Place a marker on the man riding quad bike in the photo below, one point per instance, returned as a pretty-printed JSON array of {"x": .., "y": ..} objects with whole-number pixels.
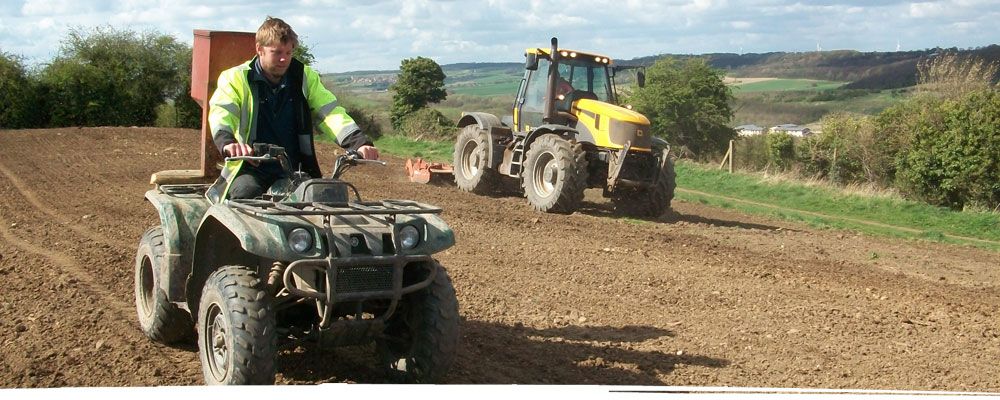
[{"x": 307, "y": 261}]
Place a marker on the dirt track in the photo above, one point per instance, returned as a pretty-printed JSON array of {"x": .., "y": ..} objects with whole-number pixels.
[{"x": 705, "y": 297}]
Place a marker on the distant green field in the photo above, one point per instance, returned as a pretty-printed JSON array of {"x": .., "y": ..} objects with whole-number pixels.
[
  {"x": 486, "y": 89},
  {"x": 776, "y": 85}
]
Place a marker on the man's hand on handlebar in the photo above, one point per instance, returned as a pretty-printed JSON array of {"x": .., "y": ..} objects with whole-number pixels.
[
  {"x": 238, "y": 150},
  {"x": 368, "y": 152}
]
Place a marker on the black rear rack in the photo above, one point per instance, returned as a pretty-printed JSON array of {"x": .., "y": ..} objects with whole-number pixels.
[
  {"x": 194, "y": 188},
  {"x": 384, "y": 207}
]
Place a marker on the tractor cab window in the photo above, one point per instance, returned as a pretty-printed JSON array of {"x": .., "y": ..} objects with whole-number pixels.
[
  {"x": 586, "y": 77},
  {"x": 533, "y": 104}
]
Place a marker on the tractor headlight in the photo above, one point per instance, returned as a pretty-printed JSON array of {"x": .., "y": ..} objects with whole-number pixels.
[
  {"x": 300, "y": 240},
  {"x": 409, "y": 237}
]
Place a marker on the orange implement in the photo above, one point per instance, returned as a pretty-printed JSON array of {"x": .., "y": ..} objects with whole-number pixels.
[{"x": 420, "y": 171}]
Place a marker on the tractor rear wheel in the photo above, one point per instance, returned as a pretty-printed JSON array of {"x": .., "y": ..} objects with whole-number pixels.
[
  {"x": 421, "y": 337},
  {"x": 236, "y": 329},
  {"x": 472, "y": 170},
  {"x": 651, "y": 202},
  {"x": 159, "y": 319},
  {"x": 555, "y": 174}
]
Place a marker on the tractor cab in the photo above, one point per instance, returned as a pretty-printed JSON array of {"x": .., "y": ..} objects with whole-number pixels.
[{"x": 580, "y": 76}]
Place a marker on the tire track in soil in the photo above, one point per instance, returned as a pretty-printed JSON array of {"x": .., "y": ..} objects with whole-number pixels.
[
  {"x": 32, "y": 199},
  {"x": 123, "y": 311},
  {"x": 122, "y": 314}
]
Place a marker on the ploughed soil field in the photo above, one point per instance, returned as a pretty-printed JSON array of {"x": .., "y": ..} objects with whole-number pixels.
[{"x": 703, "y": 297}]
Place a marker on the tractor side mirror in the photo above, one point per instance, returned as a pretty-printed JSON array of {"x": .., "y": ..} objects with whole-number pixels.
[
  {"x": 531, "y": 62},
  {"x": 640, "y": 77}
]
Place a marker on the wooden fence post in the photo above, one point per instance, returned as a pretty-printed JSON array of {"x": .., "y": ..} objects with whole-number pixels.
[
  {"x": 731, "y": 155},
  {"x": 728, "y": 157}
]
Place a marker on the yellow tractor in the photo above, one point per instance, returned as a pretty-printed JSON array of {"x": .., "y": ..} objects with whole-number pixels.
[{"x": 567, "y": 133}]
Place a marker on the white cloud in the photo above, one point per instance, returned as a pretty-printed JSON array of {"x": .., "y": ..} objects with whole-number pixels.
[
  {"x": 51, "y": 7},
  {"x": 923, "y": 10},
  {"x": 741, "y": 24},
  {"x": 377, "y": 34}
]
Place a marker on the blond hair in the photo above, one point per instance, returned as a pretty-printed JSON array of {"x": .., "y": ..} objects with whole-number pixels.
[{"x": 274, "y": 31}]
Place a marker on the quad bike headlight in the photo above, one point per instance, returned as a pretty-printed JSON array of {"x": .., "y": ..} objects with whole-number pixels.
[
  {"x": 409, "y": 237},
  {"x": 300, "y": 240}
]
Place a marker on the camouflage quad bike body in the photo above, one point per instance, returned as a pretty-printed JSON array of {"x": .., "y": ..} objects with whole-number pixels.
[{"x": 304, "y": 262}]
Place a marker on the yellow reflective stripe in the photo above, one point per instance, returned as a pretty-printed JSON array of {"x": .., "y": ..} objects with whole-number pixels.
[
  {"x": 230, "y": 107},
  {"x": 326, "y": 110},
  {"x": 347, "y": 130}
]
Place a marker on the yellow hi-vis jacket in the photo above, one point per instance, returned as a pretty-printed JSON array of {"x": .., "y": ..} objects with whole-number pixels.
[{"x": 232, "y": 117}]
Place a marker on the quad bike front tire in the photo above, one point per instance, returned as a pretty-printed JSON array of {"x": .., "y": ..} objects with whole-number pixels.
[
  {"x": 651, "y": 202},
  {"x": 236, "y": 329},
  {"x": 159, "y": 319},
  {"x": 555, "y": 174},
  {"x": 421, "y": 337},
  {"x": 472, "y": 170}
]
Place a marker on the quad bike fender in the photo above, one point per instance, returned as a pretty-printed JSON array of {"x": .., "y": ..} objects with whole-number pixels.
[
  {"x": 229, "y": 237},
  {"x": 180, "y": 216},
  {"x": 260, "y": 235},
  {"x": 436, "y": 235},
  {"x": 489, "y": 123}
]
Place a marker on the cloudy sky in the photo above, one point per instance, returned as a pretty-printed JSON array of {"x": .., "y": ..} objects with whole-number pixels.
[{"x": 376, "y": 34}]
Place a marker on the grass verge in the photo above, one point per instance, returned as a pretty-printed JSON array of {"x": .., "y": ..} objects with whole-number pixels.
[
  {"x": 402, "y": 146},
  {"x": 829, "y": 207},
  {"x": 817, "y": 206}
]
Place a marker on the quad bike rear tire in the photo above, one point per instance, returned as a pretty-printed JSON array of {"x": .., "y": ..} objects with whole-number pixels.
[
  {"x": 236, "y": 329},
  {"x": 651, "y": 202},
  {"x": 161, "y": 320},
  {"x": 555, "y": 174},
  {"x": 422, "y": 335},
  {"x": 472, "y": 170}
]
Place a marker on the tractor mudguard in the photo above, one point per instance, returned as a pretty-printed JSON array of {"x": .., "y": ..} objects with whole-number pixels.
[
  {"x": 561, "y": 130},
  {"x": 489, "y": 123},
  {"x": 484, "y": 120},
  {"x": 180, "y": 216}
]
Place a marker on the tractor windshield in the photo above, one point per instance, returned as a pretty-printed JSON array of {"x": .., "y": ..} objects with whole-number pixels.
[{"x": 587, "y": 76}]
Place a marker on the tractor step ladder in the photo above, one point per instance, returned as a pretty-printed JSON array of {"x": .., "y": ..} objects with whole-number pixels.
[{"x": 515, "y": 160}]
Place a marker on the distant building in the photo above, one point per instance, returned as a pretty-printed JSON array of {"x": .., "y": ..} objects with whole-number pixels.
[
  {"x": 749, "y": 130},
  {"x": 792, "y": 129}
]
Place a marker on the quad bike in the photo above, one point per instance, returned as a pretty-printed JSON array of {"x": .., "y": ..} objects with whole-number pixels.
[{"x": 307, "y": 261}]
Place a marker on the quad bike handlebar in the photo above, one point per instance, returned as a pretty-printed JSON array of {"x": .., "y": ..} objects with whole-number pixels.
[
  {"x": 350, "y": 159},
  {"x": 273, "y": 153}
]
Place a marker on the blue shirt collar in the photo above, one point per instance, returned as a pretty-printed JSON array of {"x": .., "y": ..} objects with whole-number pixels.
[{"x": 260, "y": 76}]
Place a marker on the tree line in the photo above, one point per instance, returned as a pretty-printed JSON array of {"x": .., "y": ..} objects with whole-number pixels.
[
  {"x": 105, "y": 77},
  {"x": 101, "y": 77}
]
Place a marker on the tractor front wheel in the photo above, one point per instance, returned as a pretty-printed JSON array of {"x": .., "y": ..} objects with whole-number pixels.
[{"x": 651, "y": 202}]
